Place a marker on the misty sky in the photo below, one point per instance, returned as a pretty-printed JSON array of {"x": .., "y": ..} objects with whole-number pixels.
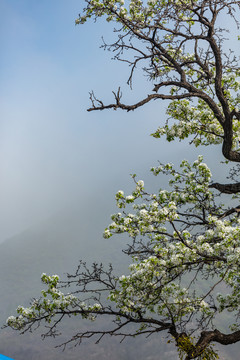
[{"x": 53, "y": 153}]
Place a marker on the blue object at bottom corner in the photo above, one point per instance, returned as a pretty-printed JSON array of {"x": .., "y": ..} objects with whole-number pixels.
[{"x": 3, "y": 357}]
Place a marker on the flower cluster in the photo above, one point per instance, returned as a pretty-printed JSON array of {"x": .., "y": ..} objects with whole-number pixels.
[
  {"x": 197, "y": 119},
  {"x": 157, "y": 209},
  {"x": 53, "y": 302},
  {"x": 167, "y": 271},
  {"x": 150, "y": 285},
  {"x": 138, "y": 12},
  {"x": 149, "y": 289}
]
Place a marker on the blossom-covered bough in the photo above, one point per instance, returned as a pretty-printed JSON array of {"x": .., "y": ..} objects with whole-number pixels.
[{"x": 185, "y": 244}]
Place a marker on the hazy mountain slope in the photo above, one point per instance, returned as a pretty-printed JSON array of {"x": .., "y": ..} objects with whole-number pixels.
[{"x": 55, "y": 246}]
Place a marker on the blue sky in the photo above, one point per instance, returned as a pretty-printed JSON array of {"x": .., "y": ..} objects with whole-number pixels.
[{"x": 52, "y": 151}]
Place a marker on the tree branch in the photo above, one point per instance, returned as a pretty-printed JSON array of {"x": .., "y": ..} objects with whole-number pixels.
[{"x": 226, "y": 188}]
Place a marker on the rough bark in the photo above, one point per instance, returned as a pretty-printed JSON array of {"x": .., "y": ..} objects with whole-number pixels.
[
  {"x": 226, "y": 188},
  {"x": 209, "y": 336}
]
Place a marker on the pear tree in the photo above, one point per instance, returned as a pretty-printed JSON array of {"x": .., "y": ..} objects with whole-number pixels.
[{"x": 184, "y": 245}]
